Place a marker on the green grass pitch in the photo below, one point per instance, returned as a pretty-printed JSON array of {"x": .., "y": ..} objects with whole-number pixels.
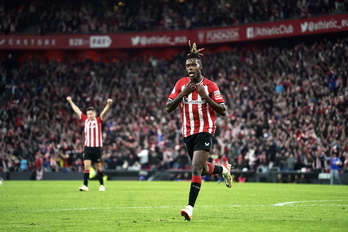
[{"x": 155, "y": 206}]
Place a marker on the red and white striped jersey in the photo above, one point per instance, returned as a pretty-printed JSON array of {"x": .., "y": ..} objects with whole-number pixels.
[
  {"x": 196, "y": 114},
  {"x": 93, "y": 134}
]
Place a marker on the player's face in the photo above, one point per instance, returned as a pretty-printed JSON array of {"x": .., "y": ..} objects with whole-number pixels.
[
  {"x": 91, "y": 114},
  {"x": 193, "y": 69}
]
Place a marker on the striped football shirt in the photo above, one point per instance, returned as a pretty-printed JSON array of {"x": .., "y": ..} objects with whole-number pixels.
[
  {"x": 93, "y": 131},
  {"x": 196, "y": 114}
]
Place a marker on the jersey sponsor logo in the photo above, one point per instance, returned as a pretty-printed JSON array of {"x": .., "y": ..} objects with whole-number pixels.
[
  {"x": 194, "y": 101},
  {"x": 91, "y": 125}
]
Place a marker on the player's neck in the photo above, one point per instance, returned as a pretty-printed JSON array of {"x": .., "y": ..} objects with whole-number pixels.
[{"x": 198, "y": 80}]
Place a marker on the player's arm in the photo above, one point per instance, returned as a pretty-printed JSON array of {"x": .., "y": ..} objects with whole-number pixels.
[
  {"x": 74, "y": 107},
  {"x": 172, "y": 104},
  {"x": 106, "y": 109},
  {"x": 219, "y": 108}
]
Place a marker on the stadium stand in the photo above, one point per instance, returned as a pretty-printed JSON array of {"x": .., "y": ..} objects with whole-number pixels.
[
  {"x": 20, "y": 16},
  {"x": 287, "y": 101}
]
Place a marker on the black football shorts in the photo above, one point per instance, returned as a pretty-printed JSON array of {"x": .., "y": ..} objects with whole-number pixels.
[
  {"x": 93, "y": 154},
  {"x": 199, "y": 141}
]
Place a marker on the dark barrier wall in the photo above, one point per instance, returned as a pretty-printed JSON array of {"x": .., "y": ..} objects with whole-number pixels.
[{"x": 270, "y": 177}]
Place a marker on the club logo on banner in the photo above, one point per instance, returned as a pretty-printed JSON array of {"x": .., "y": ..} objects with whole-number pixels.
[
  {"x": 200, "y": 35},
  {"x": 267, "y": 31},
  {"x": 250, "y": 32}
]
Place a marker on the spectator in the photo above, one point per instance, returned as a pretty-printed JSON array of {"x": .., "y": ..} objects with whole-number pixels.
[
  {"x": 38, "y": 167},
  {"x": 144, "y": 158},
  {"x": 108, "y": 16},
  {"x": 303, "y": 120},
  {"x": 241, "y": 178},
  {"x": 290, "y": 162},
  {"x": 23, "y": 164},
  {"x": 335, "y": 164}
]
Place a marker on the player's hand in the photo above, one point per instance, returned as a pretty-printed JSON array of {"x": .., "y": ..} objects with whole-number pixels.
[
  {"x": 68, "y": 98},
  {"x": 201, "y": 91},
  {"x": 188, "y": 89},
  {"x": 109, "y": 101}
]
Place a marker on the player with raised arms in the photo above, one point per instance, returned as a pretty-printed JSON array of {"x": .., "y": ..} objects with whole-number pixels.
[{"x": 93, "y": 141}]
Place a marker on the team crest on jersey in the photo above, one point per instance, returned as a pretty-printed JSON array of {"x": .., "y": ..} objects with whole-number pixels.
[{"x": 217, "y": 95}]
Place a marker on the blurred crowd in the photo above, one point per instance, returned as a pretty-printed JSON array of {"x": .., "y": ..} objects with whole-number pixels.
[
  {"x": 287, "y": 109},
  {"x": 78, "y": 16}
]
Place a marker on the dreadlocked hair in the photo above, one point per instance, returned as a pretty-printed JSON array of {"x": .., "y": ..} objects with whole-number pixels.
[{"x": 194, "y": 52}]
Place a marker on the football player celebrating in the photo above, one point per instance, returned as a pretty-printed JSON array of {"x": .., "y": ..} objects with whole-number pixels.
[
  {"x": 199, "y": 100},
  {"x": 93, "y": 141}
]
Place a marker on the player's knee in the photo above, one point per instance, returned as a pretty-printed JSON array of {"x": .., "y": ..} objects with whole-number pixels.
[{"x": 197, "y": 169}]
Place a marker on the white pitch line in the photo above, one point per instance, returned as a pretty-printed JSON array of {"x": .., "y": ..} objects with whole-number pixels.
[
  {"x": 94, "y": 208},
  {"x": 290, "y": 203},
  {"x": 296, "y": 202}
]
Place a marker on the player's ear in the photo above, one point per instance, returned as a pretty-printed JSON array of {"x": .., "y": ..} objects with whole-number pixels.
[{"x": 200, "y": 64}]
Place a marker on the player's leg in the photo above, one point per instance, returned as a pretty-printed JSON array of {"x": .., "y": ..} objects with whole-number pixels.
[
  {"x": 97, "y": 154},
  {"x": 224, "y": 170},
  {"x": 87, "y": 165},
  {"x": 100, "y": 174},
  {"x": 199, "y": 166},
  {"x": 199, "y": 160},
  {"x": 204, "y": 142}
]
